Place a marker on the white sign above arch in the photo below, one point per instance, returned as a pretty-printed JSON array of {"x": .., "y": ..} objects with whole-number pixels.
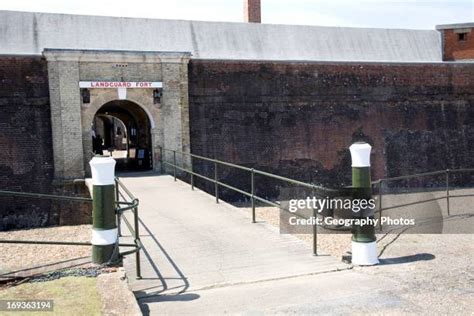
[{"x": 120, "y": 84}]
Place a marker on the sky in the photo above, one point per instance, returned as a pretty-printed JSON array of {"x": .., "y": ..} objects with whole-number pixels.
[{"x": 412, "y": 14}]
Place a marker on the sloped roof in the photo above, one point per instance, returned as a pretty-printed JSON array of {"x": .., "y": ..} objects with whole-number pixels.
[{"x": 30, "y": 33}]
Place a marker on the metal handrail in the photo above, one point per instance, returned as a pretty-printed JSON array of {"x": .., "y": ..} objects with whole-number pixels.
[
  {"x": 44, "y": 196},
  {"x": 124, "y": 188},
  {"x": 121, "y": 207},
  {"x": 317, "y": 190},
  {"x": 416, "y": 175},
  {"x": 379, "y": 183},
  {"x": 134, "y": 231},
  {"x": 256, "y": 171}
]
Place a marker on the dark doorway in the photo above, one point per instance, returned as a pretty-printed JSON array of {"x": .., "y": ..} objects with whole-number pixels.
[{"x": 122, "y": 130}]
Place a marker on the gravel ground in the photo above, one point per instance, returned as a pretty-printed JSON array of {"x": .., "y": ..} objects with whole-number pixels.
[
  {"x": 435, "y": 273},
  {"x": 19, "y": 256}
]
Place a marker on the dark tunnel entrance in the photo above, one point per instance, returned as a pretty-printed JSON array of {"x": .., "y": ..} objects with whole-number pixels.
[{"x": 122, "y": 130}]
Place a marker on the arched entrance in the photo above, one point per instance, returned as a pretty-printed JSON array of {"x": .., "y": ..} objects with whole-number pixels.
[{"x": 121, "y": 129}]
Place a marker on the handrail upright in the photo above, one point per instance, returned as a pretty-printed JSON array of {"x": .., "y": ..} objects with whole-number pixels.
[{"x": 137, "y": 242}]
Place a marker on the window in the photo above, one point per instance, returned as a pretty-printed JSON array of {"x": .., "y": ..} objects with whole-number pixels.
[{"x": 462, "y": 37}]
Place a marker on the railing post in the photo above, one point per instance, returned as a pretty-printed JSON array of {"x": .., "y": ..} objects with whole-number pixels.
[
  {"x": 192, "y": 173},
  {"x": 137, "y": 242},
  {"x": 216, "y": 180},
  {"x": 380, "y": 203},
  {"x": 104, "y": 224},
  {"x": 252, "y": 192},
  {"x": 364, "y": 247},
  {"x": 447, "y": 191},
  {"x": 117, "y": 199},
  {"x": 174, "y": 164},
  {"x": 315, "y": 229},
  {"x": 162, "y": 168}
]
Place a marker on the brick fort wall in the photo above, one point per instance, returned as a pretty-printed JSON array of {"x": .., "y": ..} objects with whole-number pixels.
[
  {"x": 292, "y": 119},
  {"x": 26, "y": 161},
  {"x": 298, "y": 119}
]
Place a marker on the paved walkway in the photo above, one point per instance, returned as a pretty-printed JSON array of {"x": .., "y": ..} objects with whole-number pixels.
[{"x": 193, "y": 244}]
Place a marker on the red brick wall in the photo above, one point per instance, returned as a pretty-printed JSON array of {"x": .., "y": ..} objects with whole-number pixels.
[
  {"x": 298, "y": 119},
  {"x": 455, "y": 49},
  {"x": 252, "y": 11}
]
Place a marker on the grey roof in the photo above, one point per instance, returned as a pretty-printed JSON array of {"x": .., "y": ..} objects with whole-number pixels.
[
  {"x": 31, "y": 33},
  {"x": 466, "y": 25}
]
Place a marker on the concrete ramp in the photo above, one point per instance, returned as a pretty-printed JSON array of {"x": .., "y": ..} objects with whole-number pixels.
[{"x": 193, "y": 244}]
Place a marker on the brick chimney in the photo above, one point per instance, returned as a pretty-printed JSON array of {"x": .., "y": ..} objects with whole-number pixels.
[
  {"x": 457, "y": 41},
  {"x": 252, "y": 11}
]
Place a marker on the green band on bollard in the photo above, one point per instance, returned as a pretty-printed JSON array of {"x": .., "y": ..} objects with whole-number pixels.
[
  {"x": 102, "y": 254},
  {"x": 103, "y": 223},
  {"x": 103, "y": 207},
  {"x": 361, "y": 184},
  {"x": 361, "y": 177}
]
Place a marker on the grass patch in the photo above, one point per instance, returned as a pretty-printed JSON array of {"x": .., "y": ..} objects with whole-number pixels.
[{"x": 71, "y": 296}]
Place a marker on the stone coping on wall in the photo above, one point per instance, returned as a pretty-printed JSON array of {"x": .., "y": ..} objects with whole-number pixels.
[{"x": 115, "y": 56}]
